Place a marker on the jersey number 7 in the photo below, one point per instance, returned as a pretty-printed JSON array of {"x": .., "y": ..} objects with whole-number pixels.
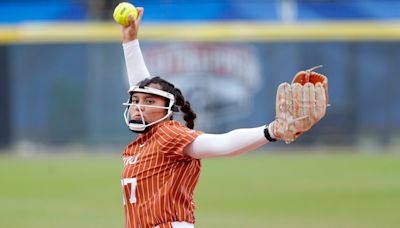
[{"x": 129, "y": 188}]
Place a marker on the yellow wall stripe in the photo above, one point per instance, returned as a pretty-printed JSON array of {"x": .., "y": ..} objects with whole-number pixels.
[{"x": 232, "y": 31}]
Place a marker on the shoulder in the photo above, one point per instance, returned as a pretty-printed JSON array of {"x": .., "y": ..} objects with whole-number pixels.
[
  {"x": 173, "y": 137},
  {"x": 172, "y": 128}
]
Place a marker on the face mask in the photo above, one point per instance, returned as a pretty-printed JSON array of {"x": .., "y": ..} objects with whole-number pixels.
[{"x": 141, "y": 126}]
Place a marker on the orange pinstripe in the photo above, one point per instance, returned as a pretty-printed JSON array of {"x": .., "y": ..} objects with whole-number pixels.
[{"x": 161, "y": 177}]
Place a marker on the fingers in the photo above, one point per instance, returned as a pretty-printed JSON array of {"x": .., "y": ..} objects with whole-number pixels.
[
  {"x": 308, "y": 105},
  {"x": 284, "y": 112},
  {"x": 301, "y": 115},
  {"x": 140, "y": 14},
  {"x": 298, "y": 106},
  {"x": 283, "y": 96},
  {"x": 297, "y": 100},
  {"x": 131, "y": 31},
  {"x": 132, "y": 21},
  {"x": 135, "y": 24},
  {"x": 325, "y": 85},
  {"x": 320, "y": 101}
]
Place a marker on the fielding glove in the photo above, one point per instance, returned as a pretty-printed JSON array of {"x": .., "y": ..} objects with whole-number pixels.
[{"x": 299, "y": 105}]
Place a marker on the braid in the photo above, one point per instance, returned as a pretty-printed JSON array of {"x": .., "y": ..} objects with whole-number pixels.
[{"x": 188, "y": 114}]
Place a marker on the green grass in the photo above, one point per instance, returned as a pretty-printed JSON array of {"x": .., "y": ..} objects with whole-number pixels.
[{"x": 307, "y": 190}]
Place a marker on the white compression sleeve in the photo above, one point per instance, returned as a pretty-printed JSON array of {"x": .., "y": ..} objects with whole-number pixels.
[
  {"x": 235, "y": 142},
  {"x": 135, "y": 66}
]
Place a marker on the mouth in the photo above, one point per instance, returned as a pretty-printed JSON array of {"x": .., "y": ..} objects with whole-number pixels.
[{"x": 136, "y": 121}]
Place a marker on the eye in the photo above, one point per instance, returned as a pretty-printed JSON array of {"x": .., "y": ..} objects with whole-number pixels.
[
  {"x": 149, "y": 101},
  {"x": 135, "y": 101}
]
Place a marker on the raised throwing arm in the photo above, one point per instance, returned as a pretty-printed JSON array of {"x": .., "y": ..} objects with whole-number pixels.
[{"x": 135, "y": 65}]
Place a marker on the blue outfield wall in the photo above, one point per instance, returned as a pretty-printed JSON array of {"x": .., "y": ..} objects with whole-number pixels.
[
  {"x": 205, "y": 10},
  {"x": 62, "y": 94}
]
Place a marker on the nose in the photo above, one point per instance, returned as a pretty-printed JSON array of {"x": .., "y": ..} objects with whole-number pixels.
[
  {"x": 136, "y": 108},
  {"x": 135, "y": 113}
]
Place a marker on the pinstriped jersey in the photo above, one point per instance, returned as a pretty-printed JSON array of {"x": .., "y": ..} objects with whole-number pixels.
[{"x": 158, "y": 180}]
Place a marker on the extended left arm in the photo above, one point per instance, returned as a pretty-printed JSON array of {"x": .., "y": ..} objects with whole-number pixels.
[
  {"x": 299, "y": 106},
  {"x": 233, "y": 143}
]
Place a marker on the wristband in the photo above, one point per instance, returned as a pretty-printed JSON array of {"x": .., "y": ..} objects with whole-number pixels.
[{"x": 267, "y": 135}]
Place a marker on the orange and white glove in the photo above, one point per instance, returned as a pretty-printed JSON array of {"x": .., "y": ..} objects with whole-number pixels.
[{"x": 300, "y": 105}]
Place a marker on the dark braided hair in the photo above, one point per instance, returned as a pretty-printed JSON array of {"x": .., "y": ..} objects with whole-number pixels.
[{"x": 188, "y": 114}]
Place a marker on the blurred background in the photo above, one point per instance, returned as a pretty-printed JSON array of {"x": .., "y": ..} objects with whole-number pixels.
[
  {"x": 63, "y": 81},
  {"x": 63, "y": 76}
]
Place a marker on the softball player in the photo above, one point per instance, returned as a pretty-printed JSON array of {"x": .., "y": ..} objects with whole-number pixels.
[{"x": 162, "y": 166}]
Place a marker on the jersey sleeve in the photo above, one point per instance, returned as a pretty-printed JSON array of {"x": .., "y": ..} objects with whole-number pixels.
[
  {"x": 135, "y": 65},
  {"x": 173, "y": 138}
]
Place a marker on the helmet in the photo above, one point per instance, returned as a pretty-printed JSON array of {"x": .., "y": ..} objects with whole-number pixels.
[{"x": 142, "y": 126}]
